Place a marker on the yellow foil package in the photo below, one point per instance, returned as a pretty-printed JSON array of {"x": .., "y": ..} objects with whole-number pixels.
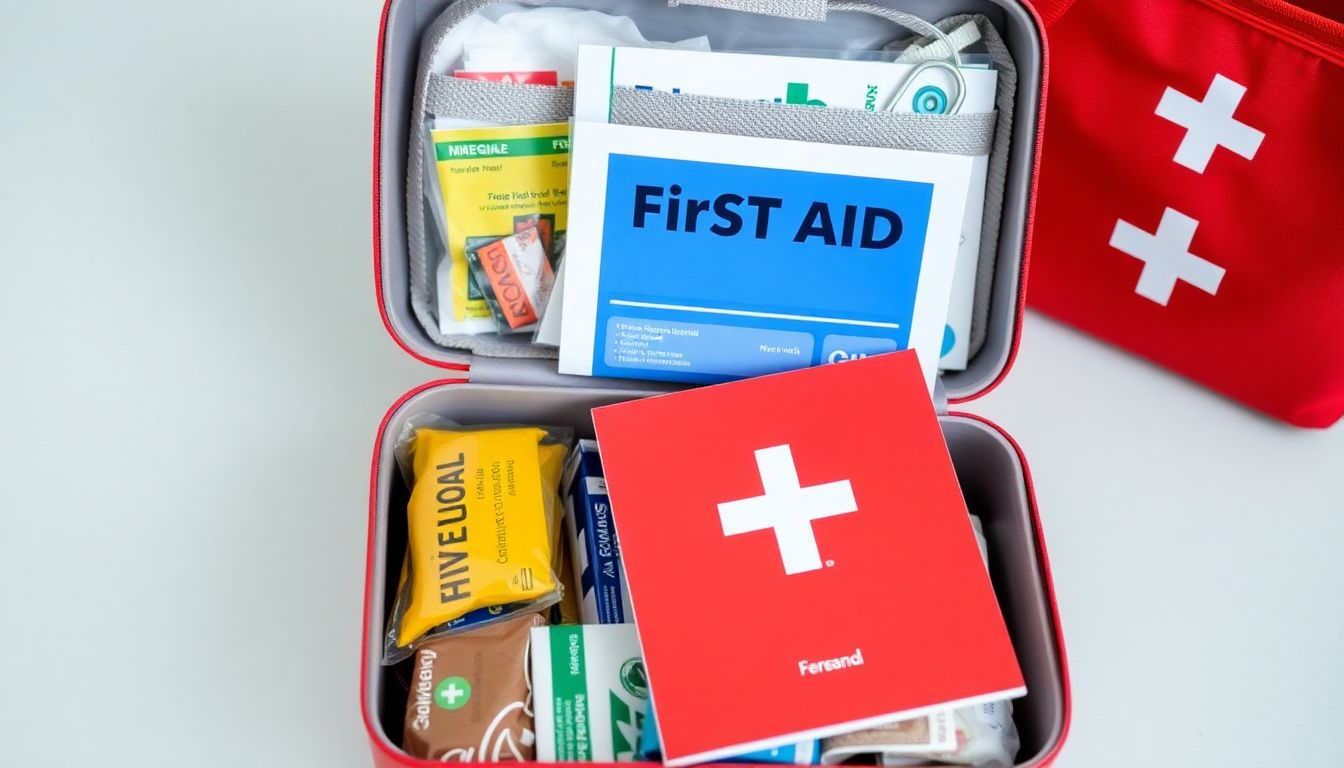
[
  {"x": 494, "y": 183},
  {"x": 483, "y": 525}
]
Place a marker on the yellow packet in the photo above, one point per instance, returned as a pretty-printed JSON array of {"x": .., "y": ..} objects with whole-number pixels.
[
  {"x": 494, "y": 182},
  {"x": 482, "y": 528}
]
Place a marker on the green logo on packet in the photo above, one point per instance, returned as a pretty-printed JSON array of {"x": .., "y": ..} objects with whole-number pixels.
[
  {"x": 452, "y": 692},
  {"x": 626, "y": 725},
  {"x": 633, "y": 678},
  {"x": 797, "y": 93}
]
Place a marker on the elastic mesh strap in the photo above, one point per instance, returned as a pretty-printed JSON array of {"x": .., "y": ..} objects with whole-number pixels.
[
  {"x": 504, "y": 103},
  {"x": 807, "y": 10},
  {"x": 962, "y": 134}
]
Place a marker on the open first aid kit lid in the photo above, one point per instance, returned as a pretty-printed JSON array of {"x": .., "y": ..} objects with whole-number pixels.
[{"x": 404, "y": 274}]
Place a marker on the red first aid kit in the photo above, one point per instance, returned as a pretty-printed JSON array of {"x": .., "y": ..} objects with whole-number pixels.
[
  {"x": 489, "y": 379},
  {"x": 1191, "y": 199}
]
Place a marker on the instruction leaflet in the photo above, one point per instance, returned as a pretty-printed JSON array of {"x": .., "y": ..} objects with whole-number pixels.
[
  {"x": 704, "y": 258},
  {"x": 815, "y": 82}
]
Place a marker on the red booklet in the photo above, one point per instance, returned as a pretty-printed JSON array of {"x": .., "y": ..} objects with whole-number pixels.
[{"x": 799, "y": 558}]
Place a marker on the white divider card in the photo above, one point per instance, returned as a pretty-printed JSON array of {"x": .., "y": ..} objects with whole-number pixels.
[
  {"x": 703, "y": 257},
  {"x": 817, "y": 82}
]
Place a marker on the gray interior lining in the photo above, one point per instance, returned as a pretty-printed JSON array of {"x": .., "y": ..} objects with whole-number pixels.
[
  {"x": 992, "y": 479},
  {"x": 403, "y": 249}
]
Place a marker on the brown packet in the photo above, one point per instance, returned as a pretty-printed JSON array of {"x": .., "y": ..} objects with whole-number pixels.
[{"x": 471, "y": 695}]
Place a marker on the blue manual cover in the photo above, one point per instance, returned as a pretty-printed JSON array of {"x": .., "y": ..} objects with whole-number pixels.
[
  {"x": 702, "y": 260},
  {"x": 603, "y": 597}
]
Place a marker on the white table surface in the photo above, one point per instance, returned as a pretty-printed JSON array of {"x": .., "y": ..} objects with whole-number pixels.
[{"x": 192, "y": 369}]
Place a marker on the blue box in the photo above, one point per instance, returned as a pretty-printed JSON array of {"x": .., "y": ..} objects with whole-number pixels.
[{"x": 603, "y": 596}]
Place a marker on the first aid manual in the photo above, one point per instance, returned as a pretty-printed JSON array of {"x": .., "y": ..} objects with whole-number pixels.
[
  {"x": 816, "y": 573},
  {"x": 702, "y": 258},
  {"x": 869, "y": 85}
]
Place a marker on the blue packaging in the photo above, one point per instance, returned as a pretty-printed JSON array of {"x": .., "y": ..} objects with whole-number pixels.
[
  {"x": 803, "y": 753},
  {"x": 603, "y": 596}
]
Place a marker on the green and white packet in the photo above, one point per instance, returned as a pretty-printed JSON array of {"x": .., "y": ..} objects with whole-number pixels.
[{"x": 590, "y": 692}]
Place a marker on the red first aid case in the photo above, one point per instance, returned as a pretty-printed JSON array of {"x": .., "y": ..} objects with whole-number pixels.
[
  {"x": 1191, "y": 196},
  {"x": 484, "y": 380}
]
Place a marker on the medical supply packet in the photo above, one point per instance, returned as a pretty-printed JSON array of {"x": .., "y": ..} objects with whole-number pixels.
[
  {"x": 483, "y": 524},
  {"x": 605, "y": 597},
  {"x": 705, "y": 257},
  {"x": 591, "y": 692},
  {"x": 491, "y": 181},
  {"x": 816, "y": 81},
  {"x": 471, "y": 696},
  {"x": 514, "y": 276}
]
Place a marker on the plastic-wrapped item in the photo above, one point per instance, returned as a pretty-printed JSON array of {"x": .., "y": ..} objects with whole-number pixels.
[
  {"x": 986, "y": 738},
  {"x": 547, "y": 39},
  {"x": 916, "y": 736},
  {"x": 471, "y": 696},
  {"x": 483, "y": 525},
  {"x": 490, "y": 184},
  {"x": 515, "y": 277}
]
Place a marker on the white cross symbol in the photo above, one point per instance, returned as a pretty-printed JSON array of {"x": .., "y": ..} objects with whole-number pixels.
[
  {"x": 1209, "y": 123},
  {"x": 452, "y": 693},
  {"x": 1166, "y": 257},
  {"x": 787, "y": 508}
]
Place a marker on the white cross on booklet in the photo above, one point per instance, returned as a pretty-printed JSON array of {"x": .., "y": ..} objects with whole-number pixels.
[
  {"x": 1166, "y": 257},
  {"x": 788, "y": 508},
  {"x": 1209, "y": 123}
]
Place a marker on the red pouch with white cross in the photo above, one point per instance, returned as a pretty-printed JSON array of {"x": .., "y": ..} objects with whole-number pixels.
[{"x": 1191, "y": 204}]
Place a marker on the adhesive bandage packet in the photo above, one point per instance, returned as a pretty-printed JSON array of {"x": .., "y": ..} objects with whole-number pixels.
[
  {"x": 592, "y": 535},
  {"x": 817, "y": 82},
  {"x": 591, "y": 692}
]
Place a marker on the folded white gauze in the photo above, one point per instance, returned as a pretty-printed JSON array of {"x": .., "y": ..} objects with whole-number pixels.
[{"x": 534, "y": 39}]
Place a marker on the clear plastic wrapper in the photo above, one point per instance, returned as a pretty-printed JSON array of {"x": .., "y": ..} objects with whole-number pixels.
[
  {"x": 471, "y": 696},
  {"x": 515, "y": 277},
  {"x": 483, "y": 525},
  {"x": 517, "y": 37},
  {"x": 490, "y": 184}
]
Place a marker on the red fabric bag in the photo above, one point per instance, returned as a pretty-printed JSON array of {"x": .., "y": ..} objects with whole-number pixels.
[{"x": 1191, "y": 205}]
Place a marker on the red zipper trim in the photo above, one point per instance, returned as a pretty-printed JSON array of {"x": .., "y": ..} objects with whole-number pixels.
[
  {"x": 1031, "y": 219},
  {"x": 370, "y": 726},
  {"x": 1298, "y": 26},
  {"x": 1047, "y": 581},
  {"x": 377, "y": 207}
]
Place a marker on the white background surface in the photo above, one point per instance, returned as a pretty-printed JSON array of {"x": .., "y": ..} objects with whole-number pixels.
[{"x": 192, "y": 368}]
